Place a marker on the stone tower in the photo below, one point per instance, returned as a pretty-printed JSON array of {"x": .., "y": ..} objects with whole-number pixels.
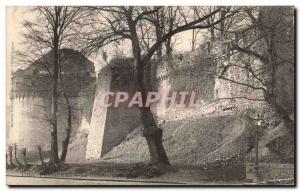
[
  {"x": 110, "y": 125},
  {"x": 31, "y": 99}
]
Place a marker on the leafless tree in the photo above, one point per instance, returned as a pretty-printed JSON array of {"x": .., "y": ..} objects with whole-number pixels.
[
  {"x": 53, "y": 29},
  {"x": 265, "y": 34},
  {"x": 121, "y": 23}
]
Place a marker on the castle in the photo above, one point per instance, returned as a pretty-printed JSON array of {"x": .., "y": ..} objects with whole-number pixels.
[
  {"x": 97, "y": 130},
  {"x": 31, "y": 102}
]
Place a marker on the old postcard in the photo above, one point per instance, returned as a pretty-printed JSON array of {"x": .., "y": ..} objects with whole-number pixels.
[{"x": 150, "y": 95}]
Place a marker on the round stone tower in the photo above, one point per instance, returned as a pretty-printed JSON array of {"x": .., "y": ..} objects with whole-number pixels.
[{"x": 31, "y": 99}]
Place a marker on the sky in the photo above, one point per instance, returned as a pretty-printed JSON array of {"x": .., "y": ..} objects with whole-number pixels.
[{"x": 15, "y": 16}]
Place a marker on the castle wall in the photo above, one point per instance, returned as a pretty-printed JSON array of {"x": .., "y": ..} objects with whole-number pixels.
[
  {"x": 186, "y": 75},
  {"x": 31, "y": 100},
  {"x": 164, "y": 86},
  {"x": 226, "y": 89},
  {"x": 78, "y": 142},
  {"x": 119, "y": 122},
  {"x": 29, "y": 129},
  {"x": 233, "y": 69},
  {"x": 31, "y": 126},
  {"x": 98, "y": 120},
  {"x": 110, "y": 125}
]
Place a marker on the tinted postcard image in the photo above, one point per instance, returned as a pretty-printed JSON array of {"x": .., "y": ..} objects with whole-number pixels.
[{"x": 150, "y": 95}]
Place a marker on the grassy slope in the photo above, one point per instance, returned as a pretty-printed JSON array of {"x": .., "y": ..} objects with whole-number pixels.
[{"x": 193, "y": 141}]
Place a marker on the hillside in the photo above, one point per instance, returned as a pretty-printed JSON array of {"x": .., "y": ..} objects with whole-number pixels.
[{"x": 194, "y": 141}]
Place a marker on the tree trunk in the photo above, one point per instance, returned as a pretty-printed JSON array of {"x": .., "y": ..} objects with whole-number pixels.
[
  {"x": 16, "y": 155},
  {"x": 153, "y": 136},
  {"x": 212, "y": 33},
  {"x": 270, "y": 96},
  {"x": 169, "y": 48},
  {"x": 54, "y": 148},
  {"x": 66, "y": 142},
  {"x": 158, "y": 37},
  {"x": 193, "y": 40},
  {"x": 284, "y": 115},
  {"x": 40, "y": 155},
  {"x": 222, "y": 24},
  {"x": 6, "y": 160},
  {"x": 10, "y": 150},
  {"x": 168, "y": 42},
  {"x": 151, "y": 132},
  {"x": 25, "y": 156},
  {"x": 159, "y": 33}
]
